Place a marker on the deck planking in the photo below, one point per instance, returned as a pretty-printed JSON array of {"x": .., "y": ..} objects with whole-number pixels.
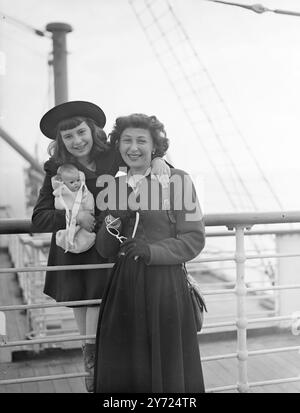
[
  {"x": 260, "y": 367},
  {"x": 216, "y": 373},
  {"x": 10, "y": 294},
  {"x": 44, "y": 386}
]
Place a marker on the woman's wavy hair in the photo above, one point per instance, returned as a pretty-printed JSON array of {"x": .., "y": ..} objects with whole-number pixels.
[
  {"x": 57, "y": 149},
  {"x": 139, "y": 120}
]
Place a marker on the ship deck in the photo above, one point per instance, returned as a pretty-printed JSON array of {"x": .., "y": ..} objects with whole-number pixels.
[{"x": 216, "y": 373}]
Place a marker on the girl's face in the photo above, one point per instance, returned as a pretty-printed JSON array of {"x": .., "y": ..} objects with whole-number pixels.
[
  {"x": 78, "y": 141},
  {"x": 136, "y": 147}
]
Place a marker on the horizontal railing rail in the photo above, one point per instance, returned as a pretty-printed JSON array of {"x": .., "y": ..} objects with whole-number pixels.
[
  {"x": 229, "y": 220},
  {"x": 240, "y": 223}
]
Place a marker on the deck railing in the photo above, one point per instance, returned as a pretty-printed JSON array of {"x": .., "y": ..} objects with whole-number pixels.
[{"x": 238, "y": 225}]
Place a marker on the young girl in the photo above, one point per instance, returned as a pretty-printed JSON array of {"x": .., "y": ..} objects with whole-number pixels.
[{"x": 77, "y": 136}]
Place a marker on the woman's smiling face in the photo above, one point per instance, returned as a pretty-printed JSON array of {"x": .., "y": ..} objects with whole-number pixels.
[
  {"x": 136, "y": 147},
  {"x": 78, "y": 141}
]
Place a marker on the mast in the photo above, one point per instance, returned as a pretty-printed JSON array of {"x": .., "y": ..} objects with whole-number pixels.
[
  {"x": 59, "y": 32},
  {"x": 59, "y": 38}
]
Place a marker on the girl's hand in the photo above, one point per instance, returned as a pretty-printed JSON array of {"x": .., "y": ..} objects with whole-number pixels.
[
  {"x": 86, "y": 220},
  {"x": 161, "y": 170}
]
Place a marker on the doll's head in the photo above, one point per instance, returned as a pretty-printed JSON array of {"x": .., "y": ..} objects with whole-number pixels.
[{"x": 69, "y": 175}]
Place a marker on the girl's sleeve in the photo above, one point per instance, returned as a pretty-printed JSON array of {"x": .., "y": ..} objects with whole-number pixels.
[
  {"x": 45, "y": 217},
  {"x": 190, "y": 234}
]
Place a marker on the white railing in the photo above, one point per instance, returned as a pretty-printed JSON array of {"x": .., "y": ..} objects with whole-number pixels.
[
  {"x": 25, "y": 251},
  {"x": 239, "y": 223}
]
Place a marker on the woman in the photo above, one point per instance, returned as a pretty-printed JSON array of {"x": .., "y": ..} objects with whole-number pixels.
[
  {"x": 76, "y": 130},
  {"x": 146, "y": 336}
]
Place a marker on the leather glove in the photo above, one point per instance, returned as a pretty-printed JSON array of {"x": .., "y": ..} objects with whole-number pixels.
[{"x": 136, "y": 248}]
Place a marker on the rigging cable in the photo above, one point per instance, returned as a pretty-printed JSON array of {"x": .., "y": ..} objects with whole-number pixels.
[
  {"x": 185, "y": 109},
  {"x": 178, "y": 62},
  {"x": 22, "y": 25},
  {"x": 258, "y": 8},
  {"x": 221, "y": 100},
  {"x": 257, "y": 164}
]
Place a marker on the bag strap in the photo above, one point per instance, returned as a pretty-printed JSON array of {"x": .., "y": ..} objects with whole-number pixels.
[{"x": 168, "y": 204}]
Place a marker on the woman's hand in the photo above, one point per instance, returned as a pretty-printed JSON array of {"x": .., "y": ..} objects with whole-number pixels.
[
  {"x": 86, "y": 220},
  {"x": 136, "y": 248},
  {"x": 161, "y": 170}
]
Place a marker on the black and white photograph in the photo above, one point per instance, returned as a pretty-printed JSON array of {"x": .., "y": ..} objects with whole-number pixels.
[{"x": 149, "y": 215}]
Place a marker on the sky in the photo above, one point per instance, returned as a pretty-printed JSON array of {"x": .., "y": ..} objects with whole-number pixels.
[{"x": 252, "y": 59}]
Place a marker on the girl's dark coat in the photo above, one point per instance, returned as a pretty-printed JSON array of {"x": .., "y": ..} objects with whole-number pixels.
[{"x": 75, "y": 285}]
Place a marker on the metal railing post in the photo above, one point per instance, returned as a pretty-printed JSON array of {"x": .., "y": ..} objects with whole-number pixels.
[{"x": 241, "y": 323}]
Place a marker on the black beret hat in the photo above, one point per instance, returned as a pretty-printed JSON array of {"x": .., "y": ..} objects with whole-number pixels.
[{"x": 50, "y": 120}]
